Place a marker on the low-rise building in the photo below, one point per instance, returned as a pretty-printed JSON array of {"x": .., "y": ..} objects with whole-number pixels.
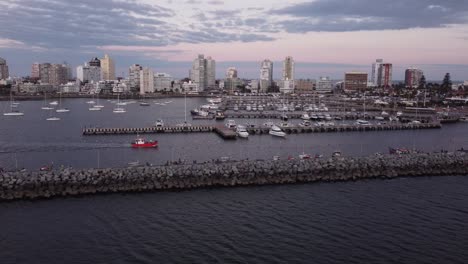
[
  {"x": 355, "y": 81},
  {"x": 305, "y": 86},
  {"x": 287, "y": 86},
  {"x": 70, "y": 87},
  {"x": 324, "y": 85},
  {"x": 34, "y": 88},
  {"x": 190, "y": 87}
]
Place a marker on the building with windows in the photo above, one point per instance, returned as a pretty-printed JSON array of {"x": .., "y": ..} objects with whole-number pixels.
[
  {"x": 4, "y": 73},
  {"x": 162, "y": 82},
  {"x": 203, "y": 72},
  {"x": 288, "y": 68},
  {"x": 355, "y": 81},
  {"x": 190, "y": 88},
  {"x": 385, "y": 75},
  {"x": 36, "y": 70},
  {"x": 413, "y": 77},
  {"x": 134, "y": 77},
  {"x": 146, "y": 81},
  {"x": 107, "y": 68},
  {"x": 305, "y": 86},
  {"x": 87, "y": 73},
  {"x": 95, "y": 62},
  {"x": 266, "y": 75},
  {"x": 375, "y": 72},
  {"x": 324, "y": 85}
]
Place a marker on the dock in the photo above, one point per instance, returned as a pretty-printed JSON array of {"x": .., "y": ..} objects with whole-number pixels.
[{"x": 227, "y": 133}]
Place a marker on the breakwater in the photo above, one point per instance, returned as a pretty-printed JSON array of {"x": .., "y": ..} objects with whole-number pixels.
[{"x": 68, "y": 182}]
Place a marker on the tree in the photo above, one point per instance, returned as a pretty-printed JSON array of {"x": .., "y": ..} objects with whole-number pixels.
[
  {"x": 446, "y": 83},
  {"x": 422, "y": 82}
]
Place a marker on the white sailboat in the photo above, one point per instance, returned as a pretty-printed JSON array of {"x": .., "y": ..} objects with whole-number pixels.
[
  {"x": 185, "y": 124},
  {"x": 61, "y": 109},
  {"x": 119, "y": 110},
  {"x": 45, "y": 107},
  {"x": 97, "y": 105},
  {"x": 13, "y": 113}
]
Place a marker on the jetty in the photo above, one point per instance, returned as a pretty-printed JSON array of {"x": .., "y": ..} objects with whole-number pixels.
[
  {"x": 227, "y": 133},
  {"x": 70, "y": 182}
]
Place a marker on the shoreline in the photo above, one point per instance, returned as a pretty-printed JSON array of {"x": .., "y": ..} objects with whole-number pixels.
[
  {"x": 102, "y": 96},
  {"x": 30, "y": 185}
]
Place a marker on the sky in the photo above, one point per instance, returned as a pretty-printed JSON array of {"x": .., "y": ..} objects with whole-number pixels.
[{"x": 325, "y": 37}]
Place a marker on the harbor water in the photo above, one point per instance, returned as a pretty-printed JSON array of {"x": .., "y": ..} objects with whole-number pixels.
[{"x": 405, "y": 220}]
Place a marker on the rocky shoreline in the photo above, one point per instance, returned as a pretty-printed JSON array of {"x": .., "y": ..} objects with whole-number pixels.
[{"x": 70, "y": 182}]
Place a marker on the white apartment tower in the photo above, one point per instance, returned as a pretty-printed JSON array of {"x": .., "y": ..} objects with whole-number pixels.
[
  {"x": 162, "y": 82},
  {"x": 146, "y": 81},
  {"x": 86, "y": 73},
  {"x": 375, "y": 72},
  {"x": 266, "y": 75},
  {"x": 203, "y": 72},
  {"x": 107, "y": 68},
  {"x": 288, "y": 69}
]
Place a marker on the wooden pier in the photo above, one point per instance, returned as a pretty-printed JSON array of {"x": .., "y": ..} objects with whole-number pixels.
[{"x": 227, "y": 133}]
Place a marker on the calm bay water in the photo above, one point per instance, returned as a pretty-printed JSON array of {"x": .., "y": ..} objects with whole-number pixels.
[
  {"x": 408, "y": 220},
  {"x": 32, "y": 142}
]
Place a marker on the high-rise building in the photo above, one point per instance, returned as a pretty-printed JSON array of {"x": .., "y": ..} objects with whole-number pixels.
[
  {"x": 107, "y": 68},
  {"x": 288, "y": 69},
  {"x": 4, "y": 73},
  {"x": 134, "y": 77},
  {"x": 95, "y": 62},
  {"x": 324, "y": 85},
  {"x": 58, "y": 74},
  {"x": 36, "y": 70},
  {"x": 87, "y": 73},
  {"x": 413, "y": 77},
  {"x": 355, "y": 81},
  {"x": 375, "y": 72},
  {"x": 385, "y": 75},
  {"x": 203, "y": 72},
  {"x": 146, "y": 81},
  {"x": 266, "y": 75},
  {"x": 44, "y": 72},
  {"x": 162, "y": 82}
]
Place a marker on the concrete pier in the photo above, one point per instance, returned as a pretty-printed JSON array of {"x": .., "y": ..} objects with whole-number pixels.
[{"x": 70, "y": 182}]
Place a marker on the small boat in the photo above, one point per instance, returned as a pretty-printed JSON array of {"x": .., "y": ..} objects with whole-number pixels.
[
  {"x": 399, "y": 113},
  {"x": 314, "y": 117},
  {"x": 276, "y": 131},
  {"x": 47, "y": 108},
  {"x": 304, "y": 156},
  {"x": 336, "y": 154},
  {"x": 98, "y": 106},
  {"x": 133, "y": 164},
  {"x": 379, "y": 118},
  {"x": 159, "y": 123},
  {"x": 284, "y": 117},
  {"x": 142, "y": 143},
  {"x": 13, "y": 114},
  {"x": 144, "y": 104},
  {"x": 275, "y": 158},
  {"x": 46, "y": 168},
  {"x": 194, "y": 111},
  {"x": 216, "y": 100},
  {"x": 242, "y": 132},
  {"x": 53, "y": 103},
  {"x": 94, "y": 108},
  {"x": 91, "y": 102},
  {"x": 119, "y": 110},
  {"x": 384, "y": 113},
  {"x": 62, "y": 110},
  {"x": 305, "y": 123},
  {"x": 305, "y": 116},
  {"x": 220, "y": 116},
  {"x": 464, "y": 119},
  {"x": 231, "y": 124},
  {"x": 362, "y": 122},
  {"x": 53, "y": 119}
]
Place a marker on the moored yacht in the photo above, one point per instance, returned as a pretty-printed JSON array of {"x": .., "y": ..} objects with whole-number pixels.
[
  {"x": 305, "y": 116},
  {"x": 362, "y": 122},
  {"x": 231, "y": 124},
  {"x": 242, "y": 132},
  {"x": 276, "y": 131},
  {"x": 159, "y": 123}
]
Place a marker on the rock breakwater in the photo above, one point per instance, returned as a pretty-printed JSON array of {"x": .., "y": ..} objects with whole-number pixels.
[{"x": 68, "y": 182}]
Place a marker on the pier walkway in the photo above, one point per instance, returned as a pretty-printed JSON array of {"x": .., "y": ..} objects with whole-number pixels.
[{"x": 227, "y": 133}]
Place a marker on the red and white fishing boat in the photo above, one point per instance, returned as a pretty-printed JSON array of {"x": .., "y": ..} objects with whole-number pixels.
[{"x": 141, "y": 143}]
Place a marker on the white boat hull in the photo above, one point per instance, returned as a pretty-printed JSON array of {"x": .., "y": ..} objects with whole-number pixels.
[
  {"x": 53, "y": 119},
  {"x": 95, "y": 109},
  {"x": 47, "y": 108},
  {"x": 14, "y": 114},
  {"x": 62, "y": 110},
  {"x": 277, "y": 134}
]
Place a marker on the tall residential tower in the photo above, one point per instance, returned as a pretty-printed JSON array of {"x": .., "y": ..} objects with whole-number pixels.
[{"x": 107, "y": 68}]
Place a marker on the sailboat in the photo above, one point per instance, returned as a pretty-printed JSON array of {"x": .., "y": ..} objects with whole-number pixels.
[
  {"x": 62, "y": 110},
  {"x": 185, "y": 124},
  {"x": 119, "y": 110},
  {"x": 12, "y": 105},
  {"x": 97, "y": 105},
  {"x": 45, "y": 107}
]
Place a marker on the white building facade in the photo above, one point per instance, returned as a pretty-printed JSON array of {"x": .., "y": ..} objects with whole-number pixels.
[
  {"x": 134, "y": 77},
  {"x": 4, "y": 73},
  {"x": 86, "y": 73},
  {"x": 146, "y": 81},
  {"x": 266, "y": 75},
  {"x": 375, "y": 72},
  {"x": 324, "y": 85},
  {"x": 162, "y": 82}
]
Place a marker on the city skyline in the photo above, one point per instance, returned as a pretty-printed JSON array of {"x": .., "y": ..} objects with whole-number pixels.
[{"x": 323, "y": 39}]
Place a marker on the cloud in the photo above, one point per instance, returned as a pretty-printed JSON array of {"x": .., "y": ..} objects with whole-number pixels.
[
  {"x": 354, "y": 15},
  {"x": 71, "y": 24},
  {"x": 215, "y": 2}
]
